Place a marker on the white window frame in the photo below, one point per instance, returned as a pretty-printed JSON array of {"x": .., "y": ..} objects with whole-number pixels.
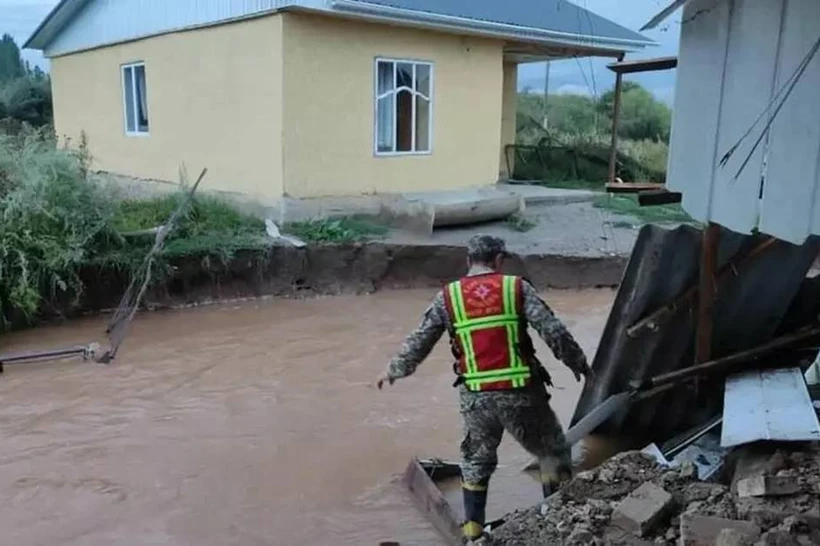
[
  {"x": 395, "y": 91},
  {"x": 125, "y": 106}
]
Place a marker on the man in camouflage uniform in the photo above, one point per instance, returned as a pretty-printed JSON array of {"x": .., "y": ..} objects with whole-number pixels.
[{"x": 523, "y": 412}]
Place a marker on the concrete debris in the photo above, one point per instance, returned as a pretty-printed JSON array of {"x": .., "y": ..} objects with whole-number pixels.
[
  {"x": 697, "y": 530},
  {"x": 632, "y": 493},
  {"x": 768, "y": 486},
  {"x": 643, "y": 509}
]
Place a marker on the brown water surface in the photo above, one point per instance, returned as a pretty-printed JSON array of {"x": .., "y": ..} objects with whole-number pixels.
[{"x": 243, "y": 425}]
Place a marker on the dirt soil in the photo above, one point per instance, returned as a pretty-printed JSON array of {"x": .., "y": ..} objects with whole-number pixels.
[
  {"x": 573, "y": 229},
  {"x": 580, "y": 513}
]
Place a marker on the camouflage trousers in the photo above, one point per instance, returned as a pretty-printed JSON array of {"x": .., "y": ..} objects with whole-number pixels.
[{"x": 527, "y": 416}]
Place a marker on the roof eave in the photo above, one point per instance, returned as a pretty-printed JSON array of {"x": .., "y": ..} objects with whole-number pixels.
[
  {"x": 501, "y": 30},
  {"x": 54, "y": 21}
]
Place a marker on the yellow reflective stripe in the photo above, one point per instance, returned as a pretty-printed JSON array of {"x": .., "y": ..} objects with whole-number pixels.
[
  {"x": 509, "y": 295},
  {"x": 458, "y": 303},
  {"x": 492, "y": 319},
  {"x": 473, "y": 486},
  {"x": 469, "y": 353},
  {"x": 506, "y": 372}
]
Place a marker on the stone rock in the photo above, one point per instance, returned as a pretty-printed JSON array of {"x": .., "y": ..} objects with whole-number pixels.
[
  {"x": 580, "y": 536},
  {"x": 696, "y": 530},
  {"x": 643, "y": 509},
  {"x": 733, "y": 537},
  {"x": 778, "y": 538}
]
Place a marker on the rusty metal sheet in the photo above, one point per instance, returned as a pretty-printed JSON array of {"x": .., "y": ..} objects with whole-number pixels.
[
  {"x": 749, "y": 307},
  {"x": 768, "y": 405}
]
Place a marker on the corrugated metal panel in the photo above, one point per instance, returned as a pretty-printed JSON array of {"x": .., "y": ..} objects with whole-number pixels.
[
  {"x": 734, "y": 57},
  {"x": 109, "y": 21},
  {"x": 558, "y": 16},
  {"x": 768, "y": 405},
  {"x": 748, "y": 310},
  {"x": 101, "y": 22}
]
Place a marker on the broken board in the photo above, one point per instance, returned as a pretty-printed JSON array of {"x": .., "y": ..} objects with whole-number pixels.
[
  {"x": 431, "y": 501},
  {"x": 768, "y": 405}
]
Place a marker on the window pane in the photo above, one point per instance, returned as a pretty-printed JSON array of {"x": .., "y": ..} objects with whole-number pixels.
[
  {"x": 423, "y": 79},
  {"x": 385, "y": 77},
  {"x": 422, "y": 124},
  {"x": 404, "y": 75},
  {"x": 128, "y": 85},
  {"x": 384, "y": 124},
  {"x": 404, "y": 121},
  {"x": 142, "y": 98}
]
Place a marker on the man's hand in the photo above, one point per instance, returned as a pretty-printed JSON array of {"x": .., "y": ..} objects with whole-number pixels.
[{"x": 384, "y": 378}]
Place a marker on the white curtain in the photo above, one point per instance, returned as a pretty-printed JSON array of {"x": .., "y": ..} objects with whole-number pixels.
[
  {"x": 142, "y": 99},
  {"x": 385, "y": 108}
]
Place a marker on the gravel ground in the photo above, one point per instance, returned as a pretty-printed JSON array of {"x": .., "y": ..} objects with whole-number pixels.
[{"x": 576, "y": 229}]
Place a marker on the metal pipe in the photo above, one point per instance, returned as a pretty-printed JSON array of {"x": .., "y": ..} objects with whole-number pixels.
[{"x": 42, "y": 355}]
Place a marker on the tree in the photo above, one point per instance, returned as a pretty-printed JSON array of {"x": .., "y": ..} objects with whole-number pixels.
[
  {"x": 642, "y": 115},
  {"x": 11, "y": 63}
]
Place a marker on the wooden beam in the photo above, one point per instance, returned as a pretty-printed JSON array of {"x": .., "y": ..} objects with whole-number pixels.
[
  {"x": 706, "y": 293},
  {"x": 632, "y": 187},
  {"x": 660, "y": 315},
  {"x": 432, "y": 502},
  {"x": 616, "y": 114},
  {"x": 644, "y": 65}
]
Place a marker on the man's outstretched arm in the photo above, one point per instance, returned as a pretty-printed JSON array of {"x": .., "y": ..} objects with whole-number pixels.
[
  {"x": 553, "y": 332},
  {"x": 419, "y": 343}
]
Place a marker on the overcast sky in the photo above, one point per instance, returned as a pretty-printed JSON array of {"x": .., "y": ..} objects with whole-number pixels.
[{"x": 20, "y": 17}]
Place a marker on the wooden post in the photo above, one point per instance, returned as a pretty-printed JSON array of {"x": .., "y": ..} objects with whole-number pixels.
[
  {"x": 616, "y": 115},
  {"x": 706, "y": 293}
]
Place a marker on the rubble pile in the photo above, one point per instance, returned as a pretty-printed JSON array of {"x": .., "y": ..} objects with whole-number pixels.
[{"x": 631, "y": 499}]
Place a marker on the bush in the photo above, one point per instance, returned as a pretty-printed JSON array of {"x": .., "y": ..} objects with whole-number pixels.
[{"x": 52, "y": 220}]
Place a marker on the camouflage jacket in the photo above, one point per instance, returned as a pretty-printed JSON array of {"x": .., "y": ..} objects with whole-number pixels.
[{"x": 436, "y": 322}]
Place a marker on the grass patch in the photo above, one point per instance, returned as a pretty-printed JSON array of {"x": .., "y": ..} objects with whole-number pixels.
[
  {"x": 520, "y": 223},
  {"x": 336, "y": 230},
  {"x": 628, "y": 206}
]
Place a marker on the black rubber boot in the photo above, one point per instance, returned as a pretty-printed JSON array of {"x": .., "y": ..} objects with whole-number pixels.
[{"x": 475, "y": 505}]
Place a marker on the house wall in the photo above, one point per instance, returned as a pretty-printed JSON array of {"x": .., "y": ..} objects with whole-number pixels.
[
  {"x": 214, "y": 100},
  {"x": 329, "y": 108},
  {"x": 509, "y": 110},
  {"x": 734, "y": 57}
]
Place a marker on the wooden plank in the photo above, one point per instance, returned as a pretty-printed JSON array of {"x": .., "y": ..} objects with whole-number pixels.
[
  {"x": 632, "y": 187},
  {"x": 701, "y": 60},
  {"x": 430, "y": 500},
  {"x": 748, "y": 84},
  {"x": 789, "y": 209},
  {"x": 644, "y": 65},
  {"x": 768, "y": 405}
]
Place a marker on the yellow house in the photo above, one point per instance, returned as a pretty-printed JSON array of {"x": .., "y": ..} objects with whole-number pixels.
[{"x": 306, "y": 98}]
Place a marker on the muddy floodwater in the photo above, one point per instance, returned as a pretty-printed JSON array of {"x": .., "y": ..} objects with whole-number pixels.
[{"x": 250, "y": 424}]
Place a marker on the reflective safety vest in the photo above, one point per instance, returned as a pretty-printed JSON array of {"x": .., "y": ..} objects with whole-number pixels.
[{"x": 487, "y": 323}]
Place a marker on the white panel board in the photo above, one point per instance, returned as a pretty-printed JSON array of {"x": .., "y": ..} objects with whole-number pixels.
[
  {"x": 790, "y": 192},
  {"x": 697, "y": 104},
  {"x": 751, "y": 61},
  {"x": 768, "y": 405},
  {"x": 110, "y": 21}
]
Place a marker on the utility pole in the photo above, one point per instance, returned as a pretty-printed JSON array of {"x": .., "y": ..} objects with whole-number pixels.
[{"x": 546, "y": 92}]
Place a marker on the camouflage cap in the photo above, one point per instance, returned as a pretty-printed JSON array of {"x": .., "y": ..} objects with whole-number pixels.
[{"x": 485, "y": 248}]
